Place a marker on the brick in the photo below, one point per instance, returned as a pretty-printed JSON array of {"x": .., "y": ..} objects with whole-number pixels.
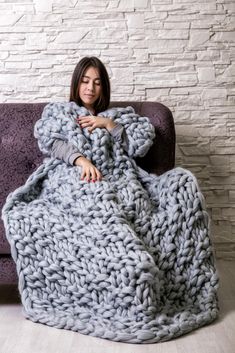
[
  {"x": 186, "y": 130},
  {"x": 204, "y": 7},
  {"x": 123, "y": 74},
  {"x": 43, "y": 20},
  {"x": 195, "y": 148},
  {"x": 166, "y": 46},
  {"x": 206, "y": 74},
  {"x": 222, "y": 231},
  {"x": 23, "y": 8},
  {"x": 126, "y": 5},
  {"x": 227, "y": 254},
  {"x": 229, "y": 212},
  {"x": 200, "y": 115},
  {"x": 221, "y": 145},
  {"x": 217, "y": 197},
  {"x": 229, "y": 180},
  {"x": 187, "y": 79},
  {"x": 111, "y": 4},
  {"x": 219, "y": 160},
  {"x": 198, "y": 37},
  {"x": 9, "y": 20},
  {"x": 7, "y": 79},
  {"x": 36, "y": 41},
  {"x": 6, "y": 8},
  {"x": 208, "y": 130},
  {"x": 208, "y": 55},
  {"x": 140, "y": 4},
  {"x": 126, "y": 89},
  {"x": 231, "y": 129},
  {"x": 170, "y": 7},
  {"x": 229, "y": 6},
  {"x": 71, "y": 37},
  {"x": 232, "y": 196},
  {"x": 182, "y": 57},
  {"x": 154, "y": 93},
  {"x": 43, "y": 5},
  {"x": 184, "y": 91},
  {"x": 135, "y": 21},
  {"x": 4, "y": 55},
  {"x": 217, "y": 213},
  {"x": 173, "y": 34},
  {"x": 17, "y": 65},
  {"x": 152, "y": 17},
  {"x": 180, "y": 25},
  {"x": 42, "y": 64},
  {"x": 141, "y": 56},
  {"x": 212, "y": 93},
  {"x": 224, "y": 36},
  {"x": 20, "y": 29}
]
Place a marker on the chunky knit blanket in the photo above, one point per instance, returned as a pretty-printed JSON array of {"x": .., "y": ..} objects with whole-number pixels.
[{"x": 128, "y": 258}]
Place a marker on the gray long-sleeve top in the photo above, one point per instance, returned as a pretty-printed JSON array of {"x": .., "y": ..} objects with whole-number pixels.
[{"x": 69, "y": 153}]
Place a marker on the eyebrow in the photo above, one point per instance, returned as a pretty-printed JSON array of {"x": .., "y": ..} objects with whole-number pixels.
[{"x": 97, "y": 78}]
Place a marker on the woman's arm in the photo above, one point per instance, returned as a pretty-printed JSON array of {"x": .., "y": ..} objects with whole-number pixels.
[
  {"x": 68, "y": 153},
  {"x": 65, "y": 151}
]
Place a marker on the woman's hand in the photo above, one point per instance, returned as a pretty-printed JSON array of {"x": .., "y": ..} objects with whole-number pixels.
[
  {"x": 92, "y": 122},
  {"x": 89, "y": 171}
]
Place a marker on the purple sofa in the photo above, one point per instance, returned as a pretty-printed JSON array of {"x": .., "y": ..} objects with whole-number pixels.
[{"x": 20, "y": 156}]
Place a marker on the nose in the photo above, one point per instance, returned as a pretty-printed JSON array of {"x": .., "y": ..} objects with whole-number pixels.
[{"x": 90, "y": 86}]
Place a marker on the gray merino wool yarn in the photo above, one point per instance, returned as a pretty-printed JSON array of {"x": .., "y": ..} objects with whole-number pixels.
[{"x": 128, "y": 258}]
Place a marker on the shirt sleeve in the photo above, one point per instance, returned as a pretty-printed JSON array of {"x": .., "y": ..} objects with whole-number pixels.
[
  {"x": 68, "y": 153},
  {"x": 65, "y": 151},
  {"x": 119, "y": 134}
]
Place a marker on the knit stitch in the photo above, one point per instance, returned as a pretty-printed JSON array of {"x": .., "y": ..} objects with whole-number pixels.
[{"x": 128, "y": 258}]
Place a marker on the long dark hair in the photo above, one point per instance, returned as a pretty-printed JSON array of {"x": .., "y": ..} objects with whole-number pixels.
[{"x": 103, "y": 101}]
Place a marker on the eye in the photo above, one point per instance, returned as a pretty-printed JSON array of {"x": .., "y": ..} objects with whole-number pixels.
[
  {"x": 97, "y": 83},
  {"x": 84, "y": 80}
]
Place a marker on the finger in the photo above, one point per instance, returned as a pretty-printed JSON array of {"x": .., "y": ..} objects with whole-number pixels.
[
  {"x": 85, "y": 124},
  {"x": 83, "y": 174},
  {"x": 93, "y": 174},
  {"x": 98, "y": 175},
  {"x": 93, "y": 127},
  {"x": 88, "y": 174},
  {"x": 86, "y": 119},
  {"x": 83, "y": 118}
]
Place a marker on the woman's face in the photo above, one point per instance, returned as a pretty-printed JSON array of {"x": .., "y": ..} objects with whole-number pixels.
[{"x": 90, "y": 87}]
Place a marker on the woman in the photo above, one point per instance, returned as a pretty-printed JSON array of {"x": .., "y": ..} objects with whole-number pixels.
[
  {"x": 128, "y": 257},
  {"x": 90, "y": 87}
]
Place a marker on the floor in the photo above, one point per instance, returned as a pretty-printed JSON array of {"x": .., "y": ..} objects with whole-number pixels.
[{"x": 18, "y": 335}]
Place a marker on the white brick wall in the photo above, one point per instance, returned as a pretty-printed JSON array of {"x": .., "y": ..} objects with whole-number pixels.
[{"x": 178, "y": 52}]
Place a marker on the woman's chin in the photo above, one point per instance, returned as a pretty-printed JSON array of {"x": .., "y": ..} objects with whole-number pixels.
[{"x": 88, "y": 102}]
